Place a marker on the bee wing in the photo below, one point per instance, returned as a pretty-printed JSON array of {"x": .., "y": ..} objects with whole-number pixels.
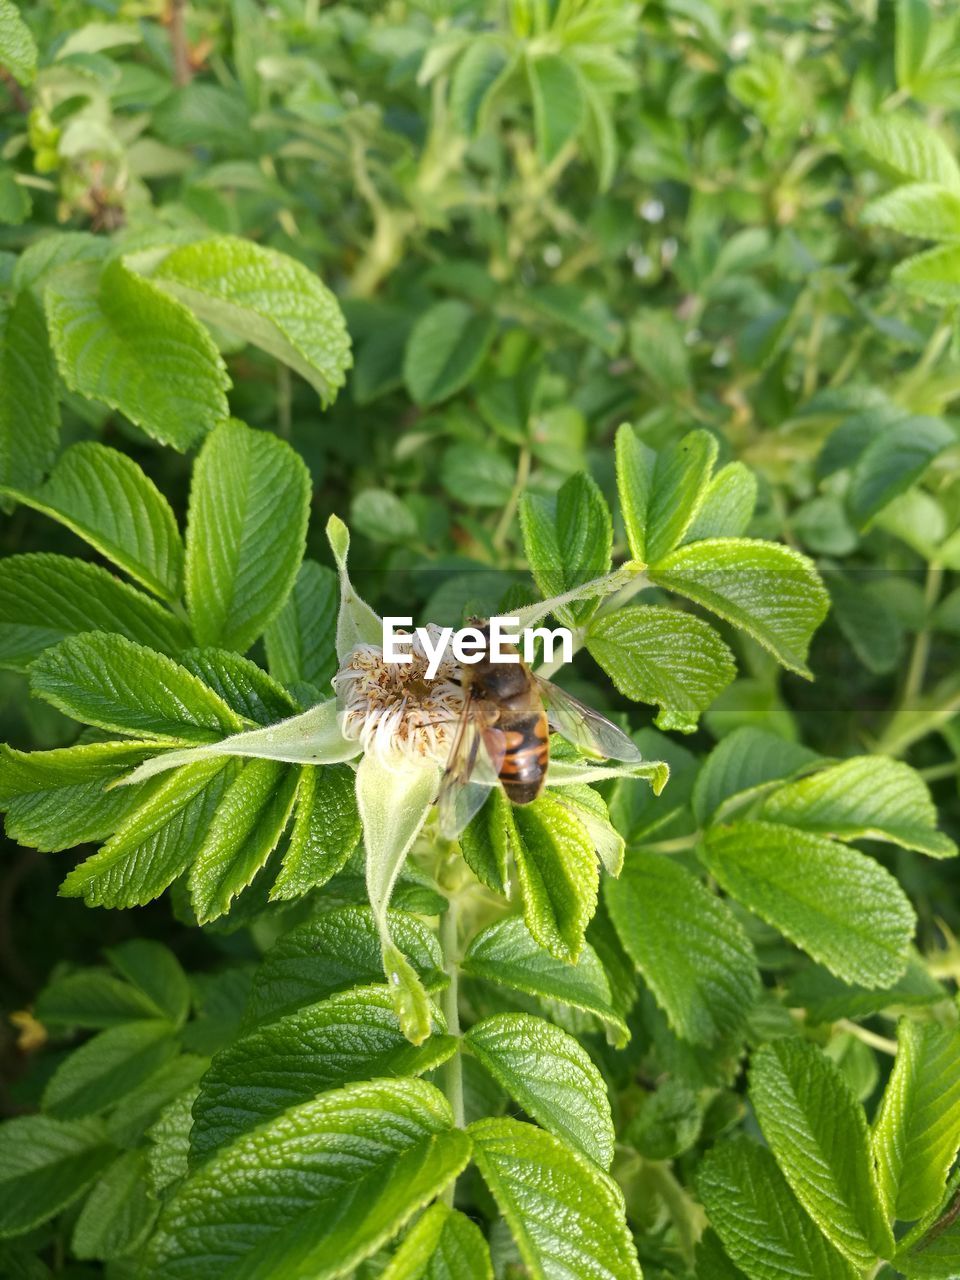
[
  {"x": 470, "y": 773},
  {"x": 589, "y": 731}
]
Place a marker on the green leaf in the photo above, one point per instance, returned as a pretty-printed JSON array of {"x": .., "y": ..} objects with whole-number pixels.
[
  {"x": 156, "y": 843},
  {"x": 727, "y": 506},
  {"x": 29, "y": 413},
  {"x": 558, "y": 103},
  {"x": 842, "y": 908},
  {"x": 818, "y": 1132},
  {"x": 566, "y": 1216},
  {"x": 907, "y": 148},
  {"x": 506, "y": 953},
  {"x": 18, "y": 49},
  {"x": 292, "y": 1199},
  {"x": 893, "y": 461},
  {"x": 741, "y": 767},
  {"x": 381, "y": 516},
  {"x": 267, "y": 298},
  {"x": 354, "y": 1035},
  {"x": 568, "y": 541},
  {"x": 245, "y": 829},
  {"x": 912, "y": 37},
  {"x": 935, "y": 1255},
  {"x": 663, "y": 656},
  {"x": 326, "y": 830},
  {"x": 827, "y": 999},
  {"x": 157, "y": 973},
  {"x": 657, "y": 347},
  {"x": 103, "y": 496},
  {"x": 768, "y": 590},
  {"x": 119, "y": 1212},
  {"x": 711, "y": 1261},
  {"x": 300, "y": 640},
  {"x": 871, "y": 628},
  {"x": 44, "y": 598},
  {"x": 475, "y": 476},
  {"x": 243, "y": 686},
  {"x": 551, "y": 1077},
  {"x": 95, "y": 1076},
  {"x": 114, "y": 684},
  {"x": 121, "y": 341},
  {"x": 691, "y": 951},
  {"x": 443, "y": 1244},
  {"x": 242, "y": 561},
  {"x": 557, "y": 871},
  {"x": 661, "y": 493},
  {"x": 921, "y": 209},
  {"x": 45, "y": 1165},
  {"x": 472, "y": 86},
  {"x": 92, "y": 998},
  {"x": 53, "y": 250},
  {"x": 446, "y": 347},
  {"x": 864, "y": 798},
  {"x": 916, "y": 1133},
  {"x": 56, "y": 799},
  {"x": 934, "y": 275},
  {"x": 755, "y": 1214},
  {"x": 338, "y": 950}
]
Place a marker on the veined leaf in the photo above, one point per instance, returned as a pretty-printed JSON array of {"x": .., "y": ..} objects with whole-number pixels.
[
  {"x": 558, "y": 103},
  {"x": 916, "y": 1133},
  {"x": 95, "y": 1076},
  {"x": 663, "y": 656},
  {"x": 445, "y": 349},
  {"x": 866, "y": 797},
  {"x": 351, "y": 1036},
  {"x": 661, "y": 493},
  {"x": 243, "y": 686},
  {"x": 301, "y": 639},
  {"x": 547, "y": 1072},
  {"x": 741, "y": 766},
  {"x": 840, "y": 906},
  {"x": 105, "y": 498},
  {"x": 443, "y": 1244},
  {"x": 935, "y": 1255},
  {"x": 727, "y": 506},
  {"x": 44, "y": 598},
  {"x": 923, "y": 209},
  {"x": 894, "y": 460},
  {"x": 268, "y": 299},
  {"x": 818, "y": 1132},
  {"x": 119, "y": 1212},
  {"x": 242, "y": 560},
  {"x": 770, "y": 591},
  {"x": 319, "y": 1211},
  {"x": 827, "y": 999},
  {"x": 484, "y": 63},
  {"x": 507, "y": 953},
  {"x": 564, "y": 1214},
  {"x": 29, "y": 413},
  {"x": 18, "y": 49},
  {"x": 326, "y": 830},
  {"x": 568, "y": 541},
  {"x": 111, "y": 683},
  {"x": 92, "y": 998},
  {"x": 756, "y": 1215},
  {"x": 711, "y": 1262},
  {"x": 692, "y": 953},
  {"x": 121, "y": 341},
  {"x": 157, "y": 974},
  {"x": 45, "y": 1165},
  {"x": 908, "y": 148},
  {"x": 934, "y": 275}
]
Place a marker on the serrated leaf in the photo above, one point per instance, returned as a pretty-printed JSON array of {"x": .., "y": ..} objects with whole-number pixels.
[
  {"x": 818, "y": 1132},
  {"x": 95, "y": 1076},
  {"x": 445, "y": 349},
  {"x": 558, "y": 104},
  {"x": 105, "y": 498},
  {"x": 663, "y": 656},
  {"x": 908, "y": 148},
  {"x": 688, "y": 946},
  {"x": 268, "y": 299},
  {"x": 121, "y": 341},
  {"x": 661, "y": 493},
  {"x": 568, "y": 541},
  {"x": 326, "y": 830},
  {"x": 56, "y": 799},
  {"x": 44, "y": 598},
  {"x": 756, "y": 1215},
  {"x": 506, "y": 953},
  {"x": 292, "y": 1199},
  {"x": 111, "y": 683},
  {"x": 916, "y": 1132},
  {"x": 443, "y": 1244},
  {"x": 156, "y": 972},
  {"x": 18, "y": 49},
  {"x": 727, "y": 506},
  {"x": 841, "y": 907},
  {"x": 922, "y": 209},
  {"x": 894, "y": 460},
  {"x": 864, "y": 798},
  {"x": 338, "y": 950},
  {"x": 242, "y": 560},
  {"x": 29, "y": 413},
  {"x": 119, "y": 1212},
  {"x": 353, "y": 1035},
  {"x": 551, "y": 1077},
  {"x": 46, "y": 1164},
  {"x": 741, "y": 766},
  {"x": 244, "y": 831},
  {"x": 300, "y": 640},
  {"x": 712, "y": 1262},
  {"x": 934, "y": 275},
  {"x": 768, "y": 590},
  {"x": 156, "y": 843},
  {"x": 92, "y": 998},
  {"x": 243, "y": 686},
  {"x": 563, "y": 1213},
  {"x": 935, "y": 1256},
  {"x": 827, "y": 999}
]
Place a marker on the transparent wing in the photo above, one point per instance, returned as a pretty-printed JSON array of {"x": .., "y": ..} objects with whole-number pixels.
[
  {"x": 470, "y": 773},
  {"x": 589, "y": 731}
]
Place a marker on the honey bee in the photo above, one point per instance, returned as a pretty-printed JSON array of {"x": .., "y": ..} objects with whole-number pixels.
[{"x": 509, "y": 712}]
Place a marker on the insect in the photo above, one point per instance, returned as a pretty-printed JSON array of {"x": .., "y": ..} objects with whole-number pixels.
[{"x": 503, "y": 735}]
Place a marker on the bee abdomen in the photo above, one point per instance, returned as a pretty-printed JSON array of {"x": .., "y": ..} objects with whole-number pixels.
[{"x": 524, "y": 765}]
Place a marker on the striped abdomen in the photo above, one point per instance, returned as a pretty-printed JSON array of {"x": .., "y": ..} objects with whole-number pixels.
[{"x": 524, "y": 765}]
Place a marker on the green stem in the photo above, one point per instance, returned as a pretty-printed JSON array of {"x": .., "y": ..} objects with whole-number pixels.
[
  {"x": 917, "y": 668},
  {"x": 687, "y": 1216},
  {"x": 513, "y": 501},
  {"x": 453, "y": 1067}
]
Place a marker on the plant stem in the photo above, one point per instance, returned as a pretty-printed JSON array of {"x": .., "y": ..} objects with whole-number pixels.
[
  {"x": 182, "y": 73},
  {"x": 510, "y": 510},
  {"x": 917, "y": 669},
  {"x": 688, "y": 1217},
  {"x": 453, "y": 1067},
  {"x": 868, "y": 1037}
]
